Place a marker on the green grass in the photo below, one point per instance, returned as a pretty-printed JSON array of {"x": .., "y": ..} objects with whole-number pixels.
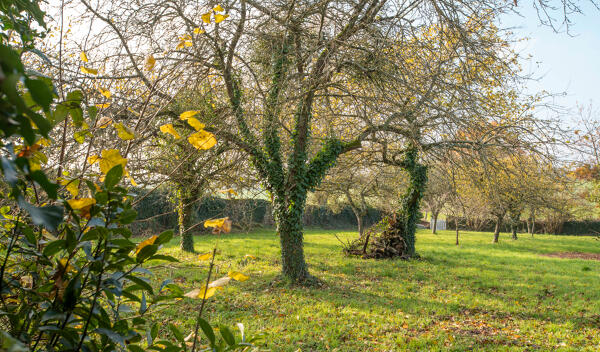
[{"x": 476, "y": 296}]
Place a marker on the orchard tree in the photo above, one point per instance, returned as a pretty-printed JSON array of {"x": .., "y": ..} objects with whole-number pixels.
[
  {"x": 289, "y": 81},
  {"x": 360, "y": 182},
  {"x": 438, "y": 191}
]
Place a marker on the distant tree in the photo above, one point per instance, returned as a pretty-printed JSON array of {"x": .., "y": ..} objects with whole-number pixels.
[
  {"x": 438, "y": 192},
  {"x": 358, "y": 181}
]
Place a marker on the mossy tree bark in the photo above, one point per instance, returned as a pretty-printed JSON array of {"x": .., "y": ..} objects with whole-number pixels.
[
  {"x": 410, "y": 202},
  {"x": 185, "y": 219}
]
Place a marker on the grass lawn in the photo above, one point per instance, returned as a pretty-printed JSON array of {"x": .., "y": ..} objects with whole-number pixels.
[{"x": 476, "y": 296}]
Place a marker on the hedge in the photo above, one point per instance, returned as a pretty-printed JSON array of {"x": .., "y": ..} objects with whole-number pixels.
[{"x": 245, "y": 213}]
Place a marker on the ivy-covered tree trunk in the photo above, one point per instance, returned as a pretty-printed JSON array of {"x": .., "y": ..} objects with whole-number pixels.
[
  {"x": 288, "y": 218},
  {"x": 185, "y": 211},
  {"x": 290, "y": 181},
  {"x": 411, "y": 199}
]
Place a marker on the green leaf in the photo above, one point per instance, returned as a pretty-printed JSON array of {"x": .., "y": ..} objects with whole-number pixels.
[
  {"x": 79, "y": 136},
  {"x": 42, "y": 124},
  {"x": 49, "y": 216},
  {"x": 178, "y": 335},
  {"x": 208, "y": 331},
  {"x": 164, "y": 257},
  {"x": 227, "y": 335},
  {"x": 135, "y": 348},
  {"x": 71, "y": 294},
  {"x": 92, "y": 112},
  {"x": 42, "y": 180},
  {"x": 143, "y": 305},
  {"x": 60, "y": 113},
  {"x": 54, "y": 247},
  {"x": 146, "y": 252},
  {"x": 140, "y": 282},
  {"x": 127, "y": 216},
  {"x": 154, "y": 331},
  {"x": 10, "y": 344},
  {"x": 40, "y": 92},
  {"x": 10, "y": 173},
  {"x": 164, "y": 237},
  {"x": 77, "y": 116},
  {"x": 113, "y": 177},
  {"x": 112, "y": 335}
]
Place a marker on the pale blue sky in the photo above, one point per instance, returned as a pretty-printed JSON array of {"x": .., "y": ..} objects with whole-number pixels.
[{"x": 565, "y": 63}]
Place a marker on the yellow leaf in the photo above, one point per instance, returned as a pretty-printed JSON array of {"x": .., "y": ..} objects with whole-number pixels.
[
  {"x": 220, "y": 282},
  {"x": 92, "y": 159},
  {"x": 181, "y": 45},
  {"x": 249, "y": 256},
  {"x": 230, "y": 191},
  {"x": 124, "y": 132},
  {"x": 145, "y": 243},
  {"x": 215, "y": 222},
  {"x": 103, "y": 106},
  {"x": 82, "y": 203},
  {"x": 202, "y": 292},
  {"x": 71, "y": 185},
  {"x": 103, "y": 122},
  {"x": 220, "y": 18},
  {"x": 168, "y": 128},
  {"x": 218, "y": 8},
  {"x": 206, "y": 17},
  {"x": 205, "y": 256},
  {"x": 83, "y": 57},
  {"x": 91, "y": 71},
  {"x": 197, "y": 30},
  {"x": 187, "y": 114},
  {"x": 150, "y": 62},
  {"x": 202, "y": 140},
  {"x": 106, "y": 93},
  {"x": 64, "y": 264},
  {"x": 236, "y": 275},
  {"x": 195, "y": 123},
  {"x": 45, "y": 142},
  {"x": 111, "y": 158}
]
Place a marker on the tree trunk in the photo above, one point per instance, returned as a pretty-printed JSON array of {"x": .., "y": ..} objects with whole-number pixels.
[
  {"x": 184, "y": 221},
  {"x": 514, "y": 224},
  {"x": 361, "y": 229},
  {"x": 497, "y": 229},
  {"x": 434, "y": 217},
  {"x": 359, "y": 220},
  {"x": 410, "y": 202},
  {"x": 532, "y": 231},
  {"x": 288, "y": 218},
  {"x": 456, "y": 225}
]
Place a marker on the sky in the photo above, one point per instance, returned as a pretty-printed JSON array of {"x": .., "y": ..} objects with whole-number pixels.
[{"x": 564, "y": 62}]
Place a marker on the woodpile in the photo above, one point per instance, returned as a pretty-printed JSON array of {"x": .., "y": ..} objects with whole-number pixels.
[{"x": 381, "y": 241}]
